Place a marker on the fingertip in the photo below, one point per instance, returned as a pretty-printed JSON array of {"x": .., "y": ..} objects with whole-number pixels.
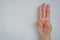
[
  {"x": 43, "y": 4},
  {"x": 48, "y": 5}
]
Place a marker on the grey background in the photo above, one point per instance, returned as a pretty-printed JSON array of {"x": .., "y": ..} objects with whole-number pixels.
[{"x": 18, "y": 19}]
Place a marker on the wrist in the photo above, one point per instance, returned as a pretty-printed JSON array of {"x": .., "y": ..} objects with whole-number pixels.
[{"x": 46, "y": 37}]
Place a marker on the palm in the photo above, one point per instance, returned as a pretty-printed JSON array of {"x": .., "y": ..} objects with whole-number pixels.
[{"x": 44, "y": 25}]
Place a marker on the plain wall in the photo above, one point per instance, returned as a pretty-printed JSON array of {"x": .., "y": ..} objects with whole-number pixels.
[{"x": 18, "y": 19}]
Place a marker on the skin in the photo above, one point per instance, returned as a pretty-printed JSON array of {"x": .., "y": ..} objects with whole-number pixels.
[{"x": 44, "y": 24}]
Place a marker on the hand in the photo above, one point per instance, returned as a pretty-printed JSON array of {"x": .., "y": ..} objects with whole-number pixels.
[{"x": 44, "y": 25}]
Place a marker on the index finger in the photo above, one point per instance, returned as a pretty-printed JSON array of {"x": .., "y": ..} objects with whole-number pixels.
[{"x": 40, "y": 12}]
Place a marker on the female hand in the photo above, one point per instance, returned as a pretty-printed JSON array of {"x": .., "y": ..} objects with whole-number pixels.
[{"x": 44, "y": 25}]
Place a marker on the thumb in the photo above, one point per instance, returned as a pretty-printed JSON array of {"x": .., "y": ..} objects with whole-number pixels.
[{"x": 48, "y": 25}]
